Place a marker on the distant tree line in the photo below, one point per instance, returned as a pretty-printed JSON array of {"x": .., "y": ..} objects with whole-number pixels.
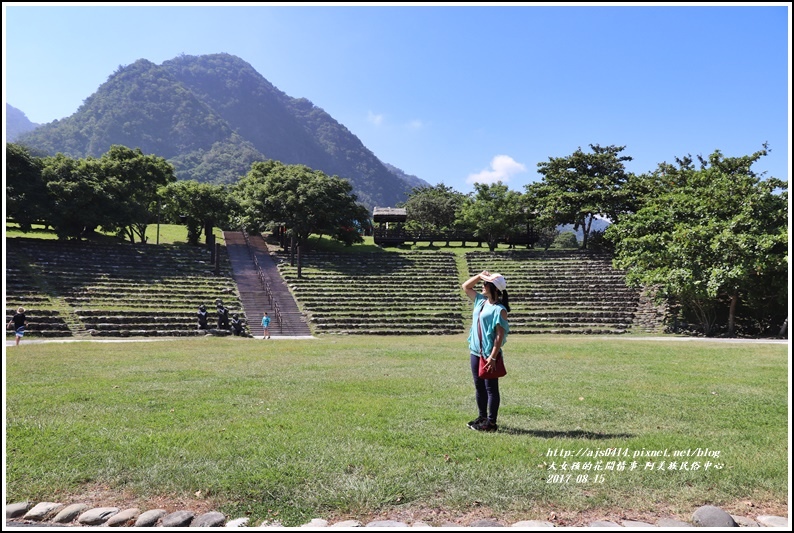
[
  {"x": 124, "y": 191},
  {"x": 711, "y": 239}
]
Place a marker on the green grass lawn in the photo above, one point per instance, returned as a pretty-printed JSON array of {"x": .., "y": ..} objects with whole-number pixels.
[
  {"x": 177, "y": 234},
  {"x": 325, "y": 243},
  {"x": 353, "y": 426},
  {"x": 168, "y": 234}
]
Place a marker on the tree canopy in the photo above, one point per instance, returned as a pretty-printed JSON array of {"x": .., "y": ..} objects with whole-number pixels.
[
  {"x": 303, "y": 200},
  {"x": 136, "y": 178},
  {"x": 492, "y": 212},
  {"x": 117, "y": 191},
  {"x": 577, "y": 188},
  {"x": 433, "y": 209},
  {"x": 26, "y": 201},
  {"x": 708, "y": 237},
  {"x": 199, "y": 206}
]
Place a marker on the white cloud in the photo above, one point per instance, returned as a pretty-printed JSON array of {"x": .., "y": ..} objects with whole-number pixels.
[
  {"x": 502, "y": 168},
  {"x": 416, "y": 124},
  {"x": 375, "y": 119}
]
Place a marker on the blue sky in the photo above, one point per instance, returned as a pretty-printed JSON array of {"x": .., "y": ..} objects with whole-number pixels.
[{"x": 454, "y": 93}]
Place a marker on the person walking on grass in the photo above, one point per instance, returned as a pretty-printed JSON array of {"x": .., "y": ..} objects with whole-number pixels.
[
  {"x": 488, "y": 333},
  {"x": 265, "y": 324},
  {"x": 19, "y": 320}
]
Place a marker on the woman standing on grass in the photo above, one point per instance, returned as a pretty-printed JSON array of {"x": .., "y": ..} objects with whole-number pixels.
[{"x": 488, "y": 333}]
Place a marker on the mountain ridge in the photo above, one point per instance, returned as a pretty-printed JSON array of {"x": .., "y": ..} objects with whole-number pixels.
[
  {"x": 17, "y": 123},
  {"x": 211, "y": 116}
]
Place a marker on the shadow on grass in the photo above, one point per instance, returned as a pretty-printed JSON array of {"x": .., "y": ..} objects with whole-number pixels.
[{"x": 574, "y": 434}]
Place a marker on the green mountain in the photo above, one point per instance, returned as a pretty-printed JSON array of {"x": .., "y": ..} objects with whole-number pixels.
[{"x": 211, "y": 116}]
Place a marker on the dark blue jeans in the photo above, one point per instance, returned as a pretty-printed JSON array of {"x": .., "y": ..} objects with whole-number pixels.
[{"x": 486, "y": 392}]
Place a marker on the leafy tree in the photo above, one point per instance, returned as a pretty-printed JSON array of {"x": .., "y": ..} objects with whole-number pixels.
[
  {"x": 492, "y": 212},
  {"x": 344, "y": 218},
  {"x": 26, "y": 194},
  {"x": 199, "y": 206},
  {"x": 117, "y": 192},
  {"x": 566, "y": 239},
  {"x": 709, "y": 236},
  {"x": 433, "y": 209},
  {"x": 577, "y": 188},
  {"x": 81, "y": 196},
  {"x": 306, "y": 201},
  {"x": 137, "y": 178},
  {"x": 547, "y": 236}
]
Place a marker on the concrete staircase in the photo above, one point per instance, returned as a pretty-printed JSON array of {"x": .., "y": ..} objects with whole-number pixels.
[{"x": 254, "y": 271}]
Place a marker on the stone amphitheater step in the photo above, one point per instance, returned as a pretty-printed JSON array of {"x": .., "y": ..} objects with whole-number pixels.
[
  {"x": 362, "y": 294},
  {"x": 391, "y": 329},
  {"x": 132, "y": 281},
  {"x": 577, "y": 319},
  {"x": 110, "y": 288},
  {"x": 328, "y": 321},
  {"x": 43, "y": 323},
  {"x": 335, "y": 288},
  {"x": 574, "y": 292},
  {"x": 571, "y": 331},
  {"x": 559, "y": 292},
  {"x": 36, "y": 333},
  {"x": 526, "y": 316},
  {"x": 159, "y": 333}
]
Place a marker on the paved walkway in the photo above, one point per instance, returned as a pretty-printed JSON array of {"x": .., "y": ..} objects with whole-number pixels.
[{"x": 10, "y": 342}]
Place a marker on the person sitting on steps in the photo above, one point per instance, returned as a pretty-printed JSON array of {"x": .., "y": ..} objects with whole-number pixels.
[
  {"x": 237, "y": 325},
  {"x": 223, "y": 316},
  {"x": 203, "y": 317}
]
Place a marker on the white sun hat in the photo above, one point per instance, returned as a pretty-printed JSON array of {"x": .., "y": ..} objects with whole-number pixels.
[{"x": 498, "y": 280}]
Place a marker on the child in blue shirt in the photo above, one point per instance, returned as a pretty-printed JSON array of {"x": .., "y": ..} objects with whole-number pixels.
[{"x": 265, "y": 324}]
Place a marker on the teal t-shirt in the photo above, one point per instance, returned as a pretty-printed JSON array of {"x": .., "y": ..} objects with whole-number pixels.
[
  {"x": 265, "y": 321},
  {"x": 490, "y": 318}
]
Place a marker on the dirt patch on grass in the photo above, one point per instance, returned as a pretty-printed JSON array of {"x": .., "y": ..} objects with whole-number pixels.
[
  {"x": 101, "y": 496},
  {"x": 437, "y": 516}
]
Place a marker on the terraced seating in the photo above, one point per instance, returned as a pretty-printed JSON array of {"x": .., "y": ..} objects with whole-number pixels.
[
  {"x": 388, "y": 293},
  {"x": 42, "y": 323},
  {"x": 132, "y": 323},
  {"x": 118, "y": 289},
  {"x": 561, "y": 292},
  {"x": 21, "y": 291}
]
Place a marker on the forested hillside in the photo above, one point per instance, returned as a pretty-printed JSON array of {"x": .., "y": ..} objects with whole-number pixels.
[{"x": 211, "y": 116}]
